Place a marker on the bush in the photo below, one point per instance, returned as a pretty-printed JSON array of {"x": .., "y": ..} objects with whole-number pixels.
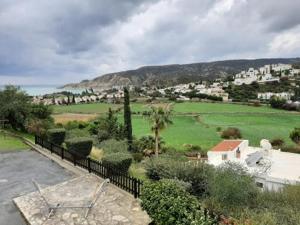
[
  {"x": 295, "y": 135},
  {"x": 113, "y": 146},
  {"x": 277, "y": 142},
  {"x": 158, "y": 168},
  {"x": 169, "y": 204},
  {"x": 291, "y": 149},
  {"x": 76, "y": 133},
  {"x": 284, "y": 205},
  {"x": 56, "y": 136},
  {"x": 117, "y": 162},
  {"x": 198, "y": 175},
  {"x": 138, "y": 156},
  {"x": 233, "y": 188},
  {"x": 231, "y": 133},
  {"x": 81, "y": 147}
]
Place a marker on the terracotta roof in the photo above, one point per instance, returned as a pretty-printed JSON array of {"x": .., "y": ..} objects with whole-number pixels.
[{"x": 226, "y": 145}]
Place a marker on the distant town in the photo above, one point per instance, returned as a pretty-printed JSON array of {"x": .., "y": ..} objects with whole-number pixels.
[{"x": 217, "y": 90}]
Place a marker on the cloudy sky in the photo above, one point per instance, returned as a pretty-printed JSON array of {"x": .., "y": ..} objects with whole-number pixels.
[{"x": 62, "y": 41}]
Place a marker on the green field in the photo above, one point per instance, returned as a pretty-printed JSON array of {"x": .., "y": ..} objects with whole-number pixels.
[
  {"x": 8, "y": 143},
  {"x": 196, "y": 123}
]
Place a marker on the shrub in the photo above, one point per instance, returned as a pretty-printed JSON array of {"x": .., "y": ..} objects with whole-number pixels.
[
  {"x": 198, "y": 175},
  {"x": 231, "y": 133},
  {"x": 277, "y": 142},
  {"x": 219, "y": 129},
  {"x": 117, "y": 162},
  {"x": 233, "y": 188},
  {"x": 138, "y": 156},
  {"x": 291, "y": 149},
  {"x": 81, "y": 147},
  {"x": 295, "y": 135},
  {"x": 76, "y": 133},
  {"x": 113, "y": 146},
  {"x": 169, "y": 204},
  {"x": 76, "y": 125},
  {"x": 103, "y": 135},
  {"x": 158, "y": 168},
  {"x": 56, "y": 136}
]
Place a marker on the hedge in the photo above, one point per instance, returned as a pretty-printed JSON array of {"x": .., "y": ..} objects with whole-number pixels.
[
  {"x": 56, "y": 136},
  {"x": 118, "y": 162},
  {"x": 80, "y": 146},
  {"x": 169, "y": 204}
]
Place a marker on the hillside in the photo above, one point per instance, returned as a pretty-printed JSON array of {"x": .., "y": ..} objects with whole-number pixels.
[{"x": 177, "y": 73}]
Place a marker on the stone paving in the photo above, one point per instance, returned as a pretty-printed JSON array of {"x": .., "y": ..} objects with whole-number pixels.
[
  {"x": 17, "y": 169},
  {"x": 113, "y": 207}
]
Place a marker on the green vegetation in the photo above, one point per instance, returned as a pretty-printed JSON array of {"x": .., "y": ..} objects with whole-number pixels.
[
  {"x": 118, "y": 162},
  {"x": 9, "y": 143},
  {"x": 86, "y": 108},
  {"x": 80, "y": 146},
  {"x": 160, "y": 118},
  {"x": 197, "y": 123},
  {"x": 127, "y": 120},
  {"x": 21, "y": 114},
  {"x": 56, "y": 136},
  {"x": 227, "y": 191},
  {"x": 295, "y": 135},
  {"x": 167, "y": 203}
]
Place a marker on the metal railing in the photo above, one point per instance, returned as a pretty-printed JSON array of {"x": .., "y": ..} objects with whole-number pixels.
[{"x": 120, "y": 179}]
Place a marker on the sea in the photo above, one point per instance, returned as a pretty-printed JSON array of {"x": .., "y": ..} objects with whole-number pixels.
[{"x": 36, "y": 90}]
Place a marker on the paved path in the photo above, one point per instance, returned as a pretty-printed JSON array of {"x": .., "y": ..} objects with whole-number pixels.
[
  {"x": 16, "y": 172},
  {"x": 112, "y": 207}
]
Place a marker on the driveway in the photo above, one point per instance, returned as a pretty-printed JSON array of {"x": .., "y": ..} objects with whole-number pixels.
[{"x": 17, "y": 170}]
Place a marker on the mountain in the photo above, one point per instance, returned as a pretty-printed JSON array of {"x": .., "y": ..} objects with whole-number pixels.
[{"x": 175, "y": 74}]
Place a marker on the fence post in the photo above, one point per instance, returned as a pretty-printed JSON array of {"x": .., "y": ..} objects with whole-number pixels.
[
  {"x": 62, "y": 153},
  {"x": 135, "y": 188},
  {"x": 89, "y": 164}
]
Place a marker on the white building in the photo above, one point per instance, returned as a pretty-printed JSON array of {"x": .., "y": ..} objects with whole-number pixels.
[
  {"x": 269, "y": 95},
  {"x": 272, "y": 169},
  {"x": 246, "y": 77}
]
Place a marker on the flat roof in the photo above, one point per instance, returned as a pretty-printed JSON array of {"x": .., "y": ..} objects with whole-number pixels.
[{"x": 226, "y": 145}]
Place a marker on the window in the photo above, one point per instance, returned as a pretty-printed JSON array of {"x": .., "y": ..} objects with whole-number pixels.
[{"x": 224, "y": 157}]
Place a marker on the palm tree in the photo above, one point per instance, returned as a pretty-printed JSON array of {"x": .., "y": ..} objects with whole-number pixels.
[{"x": 160, "y": 118}]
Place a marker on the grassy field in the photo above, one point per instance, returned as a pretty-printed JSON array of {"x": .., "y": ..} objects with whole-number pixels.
[
  {"x": 8, "y": 143},
  {"x": 196, "y": 123}
]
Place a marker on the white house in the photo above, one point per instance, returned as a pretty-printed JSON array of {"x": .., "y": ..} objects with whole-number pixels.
[
  {"x": 246, "y": 77},
  {"x": 272, "y": 169},
  {"x": 269, "y": 95}
]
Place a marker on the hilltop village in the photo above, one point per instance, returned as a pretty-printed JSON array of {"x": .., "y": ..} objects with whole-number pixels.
[{"x": 279, "y": 81}]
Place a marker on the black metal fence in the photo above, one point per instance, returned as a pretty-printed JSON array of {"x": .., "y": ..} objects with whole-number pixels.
[{"x": 124, "y": 181}]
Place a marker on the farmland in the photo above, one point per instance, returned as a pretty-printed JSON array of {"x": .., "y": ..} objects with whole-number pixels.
[{"x": 197, "y": 123}]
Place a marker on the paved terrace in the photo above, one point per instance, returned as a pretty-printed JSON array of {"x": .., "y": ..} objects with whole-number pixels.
[
  {"x": 113, "y": 207},
  {"x": 17, "y": 169},
  {"x": 61, "y": 183}
]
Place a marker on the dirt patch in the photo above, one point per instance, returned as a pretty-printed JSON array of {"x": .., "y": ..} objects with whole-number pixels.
[{"x": 66, "y": 117}]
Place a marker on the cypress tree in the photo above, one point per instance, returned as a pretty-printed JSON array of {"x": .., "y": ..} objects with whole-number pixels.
[
  {"x": 127, "y": 119},
  {"x": 73, "y": 99}
]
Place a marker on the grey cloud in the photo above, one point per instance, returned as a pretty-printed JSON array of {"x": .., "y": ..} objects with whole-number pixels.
[{"x": 76, "y": 39}]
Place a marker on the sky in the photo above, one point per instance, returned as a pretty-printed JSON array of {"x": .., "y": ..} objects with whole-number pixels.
[{"x": 66, "y": 41}]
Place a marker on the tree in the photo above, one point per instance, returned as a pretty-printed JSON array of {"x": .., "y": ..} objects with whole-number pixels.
[
  {"x": 160, "y": 118},
  {"x": 295, "y": 135},
  {"x": 127, "y": 119},
  {"x": 15, "y": 106},
  {"x": 69, "y": 100},
  {"x": 73, "y": 99}
]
